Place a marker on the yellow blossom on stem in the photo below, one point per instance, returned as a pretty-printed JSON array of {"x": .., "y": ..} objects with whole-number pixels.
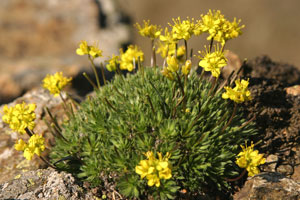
[
  {"x": 213, "y": 61},
  {"x": 149, "y": 30},
  {"x": 113, "y": 63},
  {"x": 173, "y": 63},
  {"x": 186, "y": 68},
  {"x": 154, "y": 169},
  {"x": 228, "y": 30},
  {"x": 250, "y": 159},
  {"x": 35, "y": 146},
  {"x": 239, "y": 93},
  {"x": 20, "y": 117},
  {"x": 182, "y": 29},
  {"x": 132, "y": 54},
  {"x": 91, "y": 50},
  {"x": 55, "y": 83},
  {"x": 20, "y": 145},
  {"x": 219, "y": 28},
  {"x": 165, "y": 72},
  {"x": 166, "y": 49},
  {"x": 168, "y": 37},
  {"x": 83, "y": 48},
  {"x": 211, "y": 23}
]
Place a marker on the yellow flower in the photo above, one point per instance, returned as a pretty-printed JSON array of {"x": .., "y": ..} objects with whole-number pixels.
[
  {"x": 166, "y": 49},
  {"x": 113, "y": 63},
  {"x": 213, "y": 62},
  {"x": 165, "y": 72},
  {"x": 85, "y": 49},
  {"x": 131, "y": 55},
  {"x": 20, "y": 145},
  {"x": 211, "y": 23},
  {"x": 173, "y": 63},
  {"x": 35, "y": 146},
  {"x": 239, "y": 93},
  {"x": 218, "y": 28},
  {"x": 168, "y": 37},
  {"x": 20, "y": 117},
  {"x": 154, "y": 169},
  {"x": 55, "y": 83},
  {"x": 182, "y": 30},
  {"x": 250, "y": 159},
  {"x": 150, "y": 31},
  {"x": 229, "y": 30},
  {"x": 95, "y": 52},
  {"x": 186, "y": 68}
]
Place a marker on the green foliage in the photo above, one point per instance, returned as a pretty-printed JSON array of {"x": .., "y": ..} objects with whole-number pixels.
[{"x": 143, "y": 112}]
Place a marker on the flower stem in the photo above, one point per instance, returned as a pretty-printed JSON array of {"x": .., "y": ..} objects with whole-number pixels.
[
  {"x": 102, "y": 72},
  {"x": 231, "y": 118},
  {"x": 95, "y": 71},
  {"x": 186, "y": 50},
  {"x": 47, "y": 162},
  {"x": 237, "y": 178},
  {"x": 89, "y": 80}
]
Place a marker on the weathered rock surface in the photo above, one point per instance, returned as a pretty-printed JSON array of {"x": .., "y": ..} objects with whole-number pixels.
[
  {"x": 43, "y": 184},
  {"x": 40, "y": 37},
  {"x": 269, "y": 186}
]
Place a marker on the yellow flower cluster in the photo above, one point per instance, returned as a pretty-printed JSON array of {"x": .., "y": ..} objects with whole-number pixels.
[
  {"x": 238, "y": 94},
  {"x": 35, "y": 146},
  {"x": 166, "y": 49},
  {"x": 250, "y": 159},
  {"x": 213, "y": 61},
  {"x": 182, "y": 29},
  {"x": 154, "y": 169},
  {"x": 132, "y": 54},
  {"x": 20, "y": 117},
  {"x": 55, "y": 83},
  {"x": 85, "y": 49},
  {"x": 149, "y": 30},
  {"x": 218, "y": 28},
  {"x": 113, "y": 63}
]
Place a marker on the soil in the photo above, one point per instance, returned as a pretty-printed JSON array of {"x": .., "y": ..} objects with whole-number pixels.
[
  {"x": 276, "y": 114},
  {"x": 278, "y": 121}
]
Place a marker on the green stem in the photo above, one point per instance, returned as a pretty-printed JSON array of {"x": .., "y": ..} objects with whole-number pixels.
[
  {"x": 89, "y": 80},
  {"x": 47, "y": 162},
  {"x": 211, "y": 44},
  {"x": 231, "y": 118},
  {"x": 102, "y": 72},
  {"x": 186, "y": 50},
  {"x": 95, "y": 71}
]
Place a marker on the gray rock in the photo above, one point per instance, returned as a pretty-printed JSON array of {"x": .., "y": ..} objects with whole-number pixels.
[
  {"x": 269, "y": 186},
  {"x": 43, "y": 184}
]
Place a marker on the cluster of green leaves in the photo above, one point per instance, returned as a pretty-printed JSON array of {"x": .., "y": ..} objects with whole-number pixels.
[{"x": 143, "y": 112}]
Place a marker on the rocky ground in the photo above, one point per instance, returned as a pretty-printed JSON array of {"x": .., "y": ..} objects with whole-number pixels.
[{"x": 275, "y": 107}]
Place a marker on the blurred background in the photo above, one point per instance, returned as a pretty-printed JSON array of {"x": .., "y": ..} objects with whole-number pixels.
[{"x": 40, "y": 36}]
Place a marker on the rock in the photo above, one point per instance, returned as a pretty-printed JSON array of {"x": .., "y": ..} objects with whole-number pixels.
[
  {"x": 233, "y": 63},
  {"x": 293, "y": 90},
  {"x": 9, "y": 167},
  {"x": 43, "y": 184},
  {"x": 272, "y": 161},
  {"x": 269, "y": 185},
  {"x": 41, "y": 37}
]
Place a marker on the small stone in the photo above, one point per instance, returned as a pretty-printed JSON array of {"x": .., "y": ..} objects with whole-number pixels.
[
  {"x": 293, "y": 90},
  {"x": 272, "y": 160},
  {"x": 285, "y": 169}
]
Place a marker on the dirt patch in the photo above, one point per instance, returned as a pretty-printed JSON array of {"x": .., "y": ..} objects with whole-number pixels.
[{"x": 278, "y": 122}]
